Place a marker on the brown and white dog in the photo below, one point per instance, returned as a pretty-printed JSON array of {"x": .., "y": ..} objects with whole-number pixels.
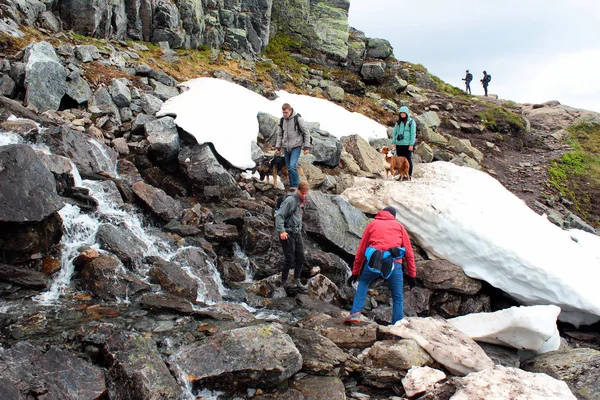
[
  {"x": 272, "y": 166},
  {"x": 396, "y": 164}
]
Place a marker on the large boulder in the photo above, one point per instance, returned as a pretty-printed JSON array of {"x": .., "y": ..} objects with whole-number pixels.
[
  {"x": 196, "y": 261},
  {"x": 578, "y": 368},
  {"x": 364, "y": 154},
  {"x": 65, "y": 376},
  {"x": 201, "y": 167},
  {"x": 319, "y": 24},
  {"x": 320, "y": 356},
  {"x": 90, "y": 156},
  {"x": 158, "y": 201},
  {"x": 122, "y": 242},
  {"x": 163, "y": 138},
  {"x": 326, "y": 149},
  {"x": 332, "y": 219},
  {"x": 27, "y": 187},
  {"x": 45, "y": 77},
  {"x": 136, "y": 369},
  {"x": 29, "y": 221},
  {"x": 95, "y": 18},
  {"x": 379, "y": 48},
  {"x": 173, "y": 279},
  {"x": 166, "y": 24},
  {"x": 106, "y": 278},
  {"x": 260, "y": 353},
  {"x": 443, "y": 275}
]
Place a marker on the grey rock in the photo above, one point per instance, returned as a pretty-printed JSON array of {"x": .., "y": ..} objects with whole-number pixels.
[
  {"x": 145, "y": 70},
  {"x": 443, "y": 275},
  {"x": 97, "y": 18},
  {"x": 120, "y": 93},
  {"x": 163, "y": 91},
  {"x": 332, "y": 219},
  {"x": 50, "y": 22},
  {"x": 197, "y": 260},
  {"x": 335, "y": 93},
  {"x": 158, "y": 201},
  {"x": 326, "y": 149},
  {"x": 379, "y": 48},
  {"x": 163, "y": 138},
  {"x": 256, "y": 353},
  {"x": 28, "y": 190},
  {"x": 138, "y": 126},
  {"x": 78, "y": 89},
  {"x": 151, "y": 104},
  {"x": 23, "y": 276},
  {"x": 106, "y": 278},
  {"x": 102, "y": 104},
  {"x": 173, "y": 279},
  {"x": 8, "y": 87},
  {"x": 202, "y": 168},
  {"x": 373, "y": 72},
  {"x": 574, "y": 222},
  {"x": 45, "y": 77}
]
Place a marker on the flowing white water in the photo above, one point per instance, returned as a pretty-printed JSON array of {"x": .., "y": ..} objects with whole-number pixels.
[
  {"x": 7, "y": 138},
  {"x": 241, "y": 258}
]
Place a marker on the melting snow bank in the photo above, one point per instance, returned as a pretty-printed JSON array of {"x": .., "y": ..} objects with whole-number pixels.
[
  {"x": 224, "y": 113},
  {"x": 468, "y": 218}
]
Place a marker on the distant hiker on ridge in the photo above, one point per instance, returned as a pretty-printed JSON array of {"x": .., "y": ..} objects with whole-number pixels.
[
  {"x": 468, "y": 78},
  {"x": 486, "y": 81}
]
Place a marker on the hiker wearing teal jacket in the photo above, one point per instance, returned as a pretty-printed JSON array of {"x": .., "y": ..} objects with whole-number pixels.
[{"x": 405, "y": 134}]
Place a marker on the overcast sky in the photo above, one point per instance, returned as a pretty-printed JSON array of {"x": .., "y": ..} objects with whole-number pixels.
[{"x": 535, "y": 50}]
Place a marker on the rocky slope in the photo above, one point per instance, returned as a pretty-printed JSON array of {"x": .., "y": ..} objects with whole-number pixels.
[{"x": 139, "y": 280}]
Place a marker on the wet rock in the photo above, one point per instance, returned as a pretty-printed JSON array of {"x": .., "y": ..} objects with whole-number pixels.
[
  {"x": 320, "y": 387},
  {"x": 443, "y": 275},
  {"x": 232, "y": 272},
  {"x": 54, "y": 374},
  {"x": 136, "y": 368},
  {"x": 90, "y": 157},
  {"x": 28, "y": 190},
  {"x": 106, "y": 278},
  {"x": 320, "y": 356},
  {"x": 45, "y": 77},
  {"x": 181, "y": 229},
  {"x": 233, "y": 216},
  {"x": 158, "y": 201},
  {"x": 261, "y": 353},
  {"x": 444, "y": 343},
  {"x": 23, "y": 276},
  {"x": 258, "y": 235},
  {"x": 165, "y": 302},
  {"x": 210, "y": 281},
  {"x": 221, "y": 232},
  {"x": 578, "y": 368},
  {"x": 225, "y": 311},
  {"x": 334, "y": 220},
  {"x": 122, "y": 242},
  {"x": 416, "y": 301},
  {"x": 500, "y": 355},
  {"x": 23, "y": 241},
  {"x": 173, "y": 279}
]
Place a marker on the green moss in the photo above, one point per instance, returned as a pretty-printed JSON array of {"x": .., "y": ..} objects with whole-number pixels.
[
  {"x": 278, "y": 50},
  {"x": 447, "y": 88},
  {"x": 499, "y": 119},
  {"x": 576, "y": 175}
]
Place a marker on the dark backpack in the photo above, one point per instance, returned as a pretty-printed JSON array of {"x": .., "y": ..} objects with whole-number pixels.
[
  {"x": 280, "y": 200},
  {"x": 488, "y": 78},
  {"x": 296, "y": 125}
]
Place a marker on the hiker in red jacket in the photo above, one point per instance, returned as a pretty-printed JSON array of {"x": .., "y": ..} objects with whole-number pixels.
[{"x": 390, "y": 238}]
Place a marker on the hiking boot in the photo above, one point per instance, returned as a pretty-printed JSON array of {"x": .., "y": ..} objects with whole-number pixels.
[
  {"x": 296, "y": 284},
  {"x": 353, "y": 318}
]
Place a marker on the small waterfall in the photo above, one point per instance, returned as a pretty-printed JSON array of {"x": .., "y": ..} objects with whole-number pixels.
[
  {"x": 241, "y": 258},
  {"x": 7, "y": 138},
  {"x": 202, "y": 289}
]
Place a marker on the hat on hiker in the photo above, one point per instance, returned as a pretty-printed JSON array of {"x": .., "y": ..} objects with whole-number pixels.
[{"x": 391, "y": 210}]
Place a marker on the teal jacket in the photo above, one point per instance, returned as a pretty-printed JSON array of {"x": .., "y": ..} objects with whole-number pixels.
[{"x": 408, "y": 129}]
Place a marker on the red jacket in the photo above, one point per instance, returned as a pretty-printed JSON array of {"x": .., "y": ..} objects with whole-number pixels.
[{"x": 384, "y": 233}]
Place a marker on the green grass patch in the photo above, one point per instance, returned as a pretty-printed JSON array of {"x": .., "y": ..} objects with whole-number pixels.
[
  {"x": 447, "y": 88},
  {"x": 499, "y": 119},
  {"x": 279, "y": 49},
  {"x": 576, "y": 175}
]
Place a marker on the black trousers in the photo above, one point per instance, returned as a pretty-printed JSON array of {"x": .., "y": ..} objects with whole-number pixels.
[
  {"x": 293, "y": 253},
  {"x": 403, "y": 151},
  {"x": 485, "y": 88}
]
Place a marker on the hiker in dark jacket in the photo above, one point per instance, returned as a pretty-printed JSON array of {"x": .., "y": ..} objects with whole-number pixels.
[
  {"x": 292, "y": 136},
  {"x": 468, "y": 78},
  {"x": 405, "y": 134},
  {"x": 288, "y": 223},
  {"x": 485, "y": 81},
  {"x": 383, "y": 233}
]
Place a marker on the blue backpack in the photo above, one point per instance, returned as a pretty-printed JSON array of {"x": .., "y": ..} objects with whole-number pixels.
[{"x": 382, "y": 262}]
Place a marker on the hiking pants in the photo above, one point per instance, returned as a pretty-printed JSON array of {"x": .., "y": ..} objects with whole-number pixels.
[
  {"x": 403, "y": 151},
  {"x": 291, "y": 162},
  {"x": 293, "y": 253},
  {"x": 395, "y": 283},
  {"x": 485, "y": 88},
  {"x": 468, "y": 85}
]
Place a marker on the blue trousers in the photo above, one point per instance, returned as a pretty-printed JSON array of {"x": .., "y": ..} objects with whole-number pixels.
[
  {"x": 291, "y": 162},
  {"x": 396, "y": 284}
]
